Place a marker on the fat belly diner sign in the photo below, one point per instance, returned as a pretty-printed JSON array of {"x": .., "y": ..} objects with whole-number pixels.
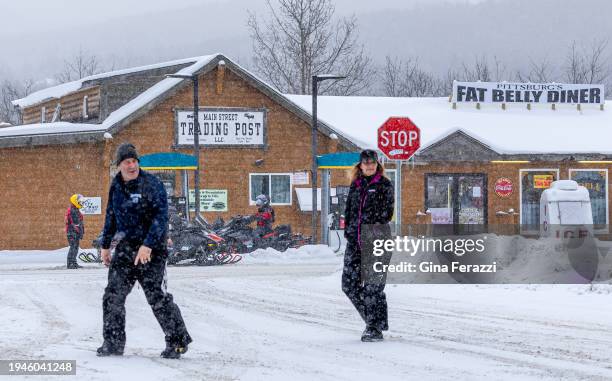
[{"x": 222, "y": 127}]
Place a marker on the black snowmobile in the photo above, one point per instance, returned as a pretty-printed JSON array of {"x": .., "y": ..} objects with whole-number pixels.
[
  {"x": 239, "y": 235},
  {"x": 196, "y": 244}
]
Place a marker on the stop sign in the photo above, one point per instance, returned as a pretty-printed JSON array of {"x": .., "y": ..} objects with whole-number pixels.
[{"x": 399, "y": 138}]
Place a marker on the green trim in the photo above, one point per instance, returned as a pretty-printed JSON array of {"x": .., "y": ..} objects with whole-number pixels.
[
  {"x": 338, "y": 160},
  {"x": 168, "y": 161}
]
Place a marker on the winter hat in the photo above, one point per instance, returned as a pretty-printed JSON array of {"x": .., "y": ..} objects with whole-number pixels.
[
  {"x": 126, "y": 151},
  {"x": 368, "y": 155}
]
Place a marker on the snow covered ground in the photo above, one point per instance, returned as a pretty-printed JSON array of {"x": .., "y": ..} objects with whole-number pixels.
[{"x": 283, "y": 317}]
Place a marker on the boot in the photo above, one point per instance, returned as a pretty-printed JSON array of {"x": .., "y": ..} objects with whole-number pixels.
[
  {"x": 371, "y": 334},
  {"x": 174, "y": 351},
  {"x": 74, "y": 265},
  {"x": 108, "y": 349}
]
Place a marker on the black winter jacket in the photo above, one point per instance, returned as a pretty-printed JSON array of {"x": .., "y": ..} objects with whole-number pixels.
[
  {"x": 137, "y": 211},
  {"x": 370, "y": 201}
]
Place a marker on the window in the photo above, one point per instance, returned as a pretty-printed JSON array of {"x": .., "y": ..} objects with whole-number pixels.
[
  {"x": 595, "y": 181},
  {"x": 85, "y": 116},
  {"x": 277, "y": 186},
  {"x": 57, "y": 114},
  {"x": 43, "y": 115},
  {"x": 532, "y": 183}
]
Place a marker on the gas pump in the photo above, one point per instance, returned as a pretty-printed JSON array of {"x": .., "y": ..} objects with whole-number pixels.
[
  {"x": 179, "y": 204},
  {"x": 337, "y": 206}
]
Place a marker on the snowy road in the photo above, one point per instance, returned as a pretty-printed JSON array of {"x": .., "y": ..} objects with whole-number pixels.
[{"x": 290, "y": 321}]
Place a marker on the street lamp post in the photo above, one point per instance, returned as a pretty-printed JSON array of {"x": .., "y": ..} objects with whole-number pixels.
[
  {"x": 315, "y": 89},
  {"x": 196, "y": 136}
]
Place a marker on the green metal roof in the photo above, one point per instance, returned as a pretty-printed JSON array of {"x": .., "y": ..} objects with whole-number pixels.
[{"x": 167, "y": 160}]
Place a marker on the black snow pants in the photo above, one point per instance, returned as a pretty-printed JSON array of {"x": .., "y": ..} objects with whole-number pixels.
[
  {"x": 122, "y": 275},
  {"x": 368, "y": 297},
  {"x": 73, "y": 241}
]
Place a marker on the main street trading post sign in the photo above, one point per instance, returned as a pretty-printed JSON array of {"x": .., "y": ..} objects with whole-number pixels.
[
  {"x": 506, "y": 92},
  {"x": 238, "y": 127}
]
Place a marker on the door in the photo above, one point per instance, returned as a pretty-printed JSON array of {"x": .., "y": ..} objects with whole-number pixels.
[
  {"x": 457, "y": 199},
  {"x": 471, "y": 206}
]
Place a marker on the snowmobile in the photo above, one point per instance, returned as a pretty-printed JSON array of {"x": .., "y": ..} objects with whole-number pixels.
[
  {"x": 196, "y": 244},
  {"x": 89, "y": 257},
  {"x": 97, "y": 244},
  {"x": 240, "y": 235}
]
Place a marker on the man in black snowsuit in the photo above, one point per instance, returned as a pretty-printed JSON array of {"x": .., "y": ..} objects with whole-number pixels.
[
  {"x": 370, "y": 202},
  {"x": 75, "y": 229},
  {"x": 137, "y": 214}
]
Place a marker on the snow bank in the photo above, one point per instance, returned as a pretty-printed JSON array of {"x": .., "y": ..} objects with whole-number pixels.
[{"x": 305, "y": 254}]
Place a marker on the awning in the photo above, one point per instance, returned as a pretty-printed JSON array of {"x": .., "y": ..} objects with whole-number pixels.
[
  {"x": 167, "y": 160},
  {"x": 338, "y": 160}
]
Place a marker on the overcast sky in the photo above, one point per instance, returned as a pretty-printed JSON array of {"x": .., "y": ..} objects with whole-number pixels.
[{"x": 37, "y": 35}]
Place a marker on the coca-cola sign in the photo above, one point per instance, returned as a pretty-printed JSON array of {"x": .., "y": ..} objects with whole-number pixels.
[{"x": 503, "y": 187}]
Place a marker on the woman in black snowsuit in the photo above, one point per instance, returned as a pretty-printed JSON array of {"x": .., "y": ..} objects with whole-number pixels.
[{"x": 370, "y": 202}]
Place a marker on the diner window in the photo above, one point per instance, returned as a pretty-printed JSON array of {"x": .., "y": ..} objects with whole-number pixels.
[
  {"x": 277, "y": 186},
  {"x": 533, "y": 182},
  {"x": 596, "y": 182}
]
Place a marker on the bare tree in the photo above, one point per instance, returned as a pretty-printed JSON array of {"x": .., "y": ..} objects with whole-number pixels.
[
  {"x": 300, "y": 39},
  {"x": 478, "y": 71},
  {"x": 590, "y": 65},
  {"x": 539, "y": 72},
  {"x": 391, "y": 77},
  {"x": 80, "y": 66},
  {"x": 446, "y": 83},
  {"x": 10, "y": 91},
  {"x": 407, "y": 79}
]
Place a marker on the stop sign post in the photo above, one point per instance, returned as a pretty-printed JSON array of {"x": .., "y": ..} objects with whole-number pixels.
[{"x": 398, "y": 139}]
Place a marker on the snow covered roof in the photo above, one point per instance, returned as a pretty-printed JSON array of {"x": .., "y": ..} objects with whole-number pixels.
[
  {"x": 118, "y": 115},
  {"x": 64, "y": 132},
  {"x": 69, "y": 87},
  {"x": 515, "y": 130}
]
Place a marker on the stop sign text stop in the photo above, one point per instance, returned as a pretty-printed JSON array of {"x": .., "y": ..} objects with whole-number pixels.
[{"x": 399, "y": 138}]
